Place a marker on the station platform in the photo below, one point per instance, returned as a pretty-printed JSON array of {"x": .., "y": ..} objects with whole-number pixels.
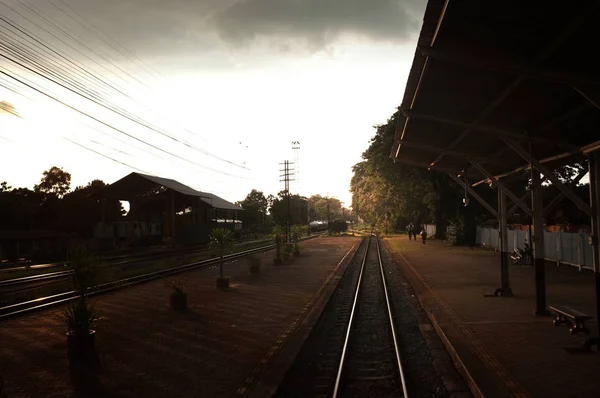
[
  {"x": 220, "y": 347},
  {"x": 502, "y": 347}
]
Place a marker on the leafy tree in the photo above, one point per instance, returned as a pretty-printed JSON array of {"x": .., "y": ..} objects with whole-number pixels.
[
  {"x": 319, "y": 210},
  {"x": 55, "y": 181},
  {"x": 255, "y": 201},
  {"x": 298, "y": 209}
]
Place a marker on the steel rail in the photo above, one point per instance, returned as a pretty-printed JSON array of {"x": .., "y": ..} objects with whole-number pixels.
[
  {"x": 389, "y": 309},
  {"x": 133, "y": 259},
  {"x": 336, "y": 390},
  {"x": 44, "y": 302},
  {"x": 27, "y": 306},
  {"x": 347, "y": 339}
]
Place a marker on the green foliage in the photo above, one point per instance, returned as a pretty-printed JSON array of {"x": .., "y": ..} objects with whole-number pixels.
[
  {"x": 222, "y": 240},
  {"x": 384, "y": 192},
  {"x": 84, "y": 267},
  {"x": 298, "y": 231},
  {"x": 278, "y": 236},
  {"x": 80, "y": 315},
  {"x": 55, "y": 181},
  {"x": 286, "y": 250},
  {"x": 255, "y": 201},
  {"x": 338, "y": 226}
]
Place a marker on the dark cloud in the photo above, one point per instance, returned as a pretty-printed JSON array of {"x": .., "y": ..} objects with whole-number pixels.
[
  {"x": 318, "y": 22},
  {"x": 190, "y": 25},
  {"x": 200, "y": 33}
]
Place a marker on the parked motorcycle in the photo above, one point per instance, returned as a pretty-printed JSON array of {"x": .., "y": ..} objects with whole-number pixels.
[{"x": 523, "y": 257}]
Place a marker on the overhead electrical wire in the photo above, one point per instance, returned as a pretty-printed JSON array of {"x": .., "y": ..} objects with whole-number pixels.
[
  {"x": 94, "y": 95},
  {"x": 113, "y": 127}
]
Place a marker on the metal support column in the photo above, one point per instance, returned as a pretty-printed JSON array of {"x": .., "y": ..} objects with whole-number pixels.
[
  {"x": 504, "y": 289},
  {"x": 172, "y": 212},
  {"x": 594, "y": 176},
  {"x": 538, "y": 243}
]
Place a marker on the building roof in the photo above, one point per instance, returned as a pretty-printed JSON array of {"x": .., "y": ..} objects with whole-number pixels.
[
  {"x": 487, "y": 72},
  {"x": 138, "y": 184}
]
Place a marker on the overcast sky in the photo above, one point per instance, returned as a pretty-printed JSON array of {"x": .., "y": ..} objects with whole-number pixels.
[{"x": 225, "y": 85}]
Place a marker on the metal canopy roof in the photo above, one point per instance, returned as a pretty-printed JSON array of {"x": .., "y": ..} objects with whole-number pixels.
[
  {"x": 487, "y": 72},
  {"x": 137, "y": 184}
]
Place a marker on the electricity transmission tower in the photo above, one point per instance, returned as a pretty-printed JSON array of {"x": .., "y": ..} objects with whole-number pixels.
[
  {"x": 296, "y": 155},
  {"x": 287, "y": 174}
]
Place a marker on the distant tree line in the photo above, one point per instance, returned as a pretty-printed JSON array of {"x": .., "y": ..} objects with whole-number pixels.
[
  {"x": 263, "y": 211},
  {"x": 390, "y": 195},
  {"x": 52, "y": 206}
]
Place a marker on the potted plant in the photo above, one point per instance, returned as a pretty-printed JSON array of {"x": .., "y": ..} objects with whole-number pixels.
[
  {"x": 296, "y": 235},
  {"x": 221, "y": 239},
  {"x": 80, "y": 317},
  {"x": 254, "y": 264},
  {"x": 287, "y": 250},
  {"x": 278, "y": 245},
  {"x": 178, "y": 297}
]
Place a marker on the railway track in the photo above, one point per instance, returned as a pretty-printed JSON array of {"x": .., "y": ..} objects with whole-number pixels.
[
  {"x": 370, "y": 363},
  {"x": 353, "y": 350},
  {"x": 47, "y": 301},
  {"x": 52, "y": 277},
  {"x": 124, "y": 259}
]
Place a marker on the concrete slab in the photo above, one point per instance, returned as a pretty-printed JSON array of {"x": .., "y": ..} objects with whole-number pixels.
[{"x": 497, "y": 343}]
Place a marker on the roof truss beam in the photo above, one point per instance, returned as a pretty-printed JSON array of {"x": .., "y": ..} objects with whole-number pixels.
[
  {"x": 558, "y": 198},
  {"x": 474, "y": 194},
  {"x": 546, "y": 52},
  {"x": 493, "y": 131},
  {"x": 458, "y": 154},
  {"x": 426, "y": 166},
  {"x": 500, "y": 185},
  {"x": 550, "y": 175},
  {"x": 525, "y": 196},
  {"x": 469, "y": 60}
]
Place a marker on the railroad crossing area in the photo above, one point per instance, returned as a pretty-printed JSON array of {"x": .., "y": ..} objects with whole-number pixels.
[
  {"x": 503, "y": 349},
  {"x": 215, "y": 349}
]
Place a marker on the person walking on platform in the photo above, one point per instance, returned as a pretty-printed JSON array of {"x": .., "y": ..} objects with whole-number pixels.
[
  {"x": 410, "y": 231},
  {"x": 424, "y": 235}
]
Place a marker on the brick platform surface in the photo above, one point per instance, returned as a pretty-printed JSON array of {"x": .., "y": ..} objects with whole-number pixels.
[
  {"x": 506, "y": 350},
  {"x": 216, "y": 349}
]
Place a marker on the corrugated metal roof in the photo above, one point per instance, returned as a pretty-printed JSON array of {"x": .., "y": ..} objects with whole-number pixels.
[
  {"x": 207, "y": 197},
  {"x": 499, "y": 71}
]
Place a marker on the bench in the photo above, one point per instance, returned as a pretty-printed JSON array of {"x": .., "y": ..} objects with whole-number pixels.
[{"x": 572, "y": 317}]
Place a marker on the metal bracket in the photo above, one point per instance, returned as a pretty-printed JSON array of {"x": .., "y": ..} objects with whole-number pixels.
[
  {"x": 549, "y": 175},
  {"x": 475, "y": 195},
  {"x": 502, "y": 187}
]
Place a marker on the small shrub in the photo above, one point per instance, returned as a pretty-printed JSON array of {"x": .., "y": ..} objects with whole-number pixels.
[{"x": 80, "y": 317}]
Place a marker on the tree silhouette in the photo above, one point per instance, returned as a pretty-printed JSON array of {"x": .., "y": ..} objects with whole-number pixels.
[
  {"x": 55, "y": 181},
  {"x": 255, "y": 201}
]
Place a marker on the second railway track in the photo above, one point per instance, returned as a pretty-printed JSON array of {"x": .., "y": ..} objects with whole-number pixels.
[{"x": 22, "y": 307}]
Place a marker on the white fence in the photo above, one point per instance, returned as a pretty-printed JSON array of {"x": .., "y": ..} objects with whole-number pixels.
[
  {"x": 564, "y": 247},
  {"x": 430, "y": 229}
]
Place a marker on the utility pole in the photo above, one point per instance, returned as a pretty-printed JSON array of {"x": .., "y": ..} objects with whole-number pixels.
[
  {"x": 328, "y": 215},
  {"x": 286, "y": 179},
  {"x": 308, "y": 215}
]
